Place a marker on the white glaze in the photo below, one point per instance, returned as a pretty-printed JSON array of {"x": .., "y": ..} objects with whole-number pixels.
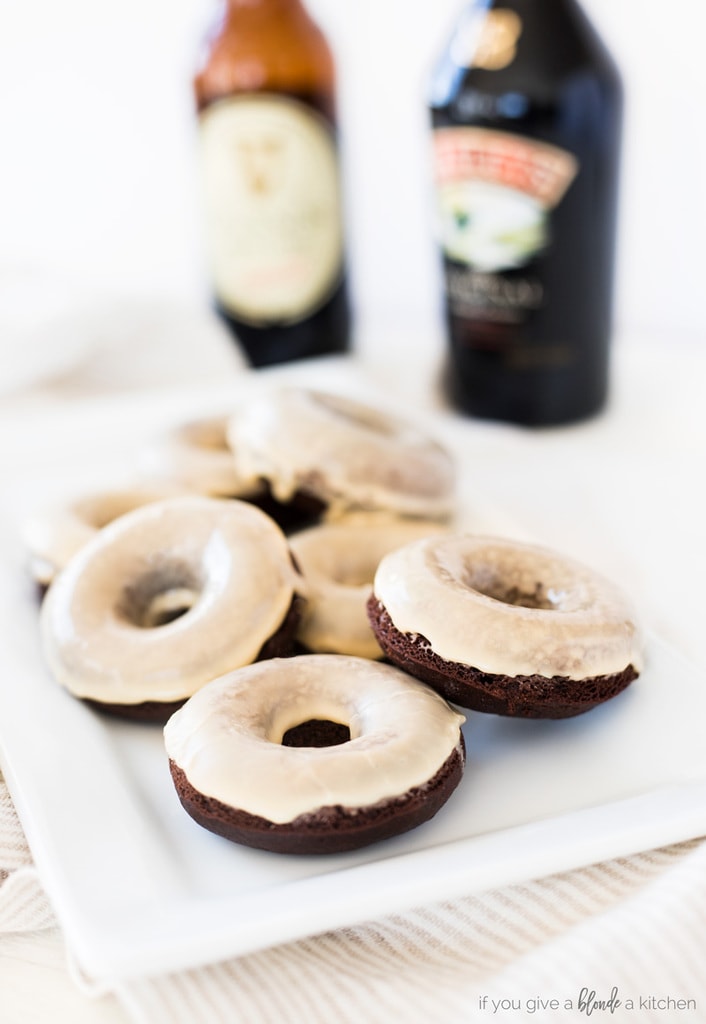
[
  {"x": 196, "y": 454},
  {"x": 226, "y": 557},
  {"x": 338, "y": 562},
  {"x": 227, "y": 737},
  {"x": 54, "y": 534},
  {"x": 438, "y": 588},
  {"x": 347, "y": 454}
]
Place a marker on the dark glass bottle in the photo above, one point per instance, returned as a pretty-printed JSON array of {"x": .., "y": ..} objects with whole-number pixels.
[
  {"x": 265, "y": 92},
  {"x": 526, "y": 111}
]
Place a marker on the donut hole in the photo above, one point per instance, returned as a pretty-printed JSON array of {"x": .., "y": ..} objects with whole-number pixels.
[
  {"x": 355, "y": 574},
  {"x": 168, "y": 607},
  {"x": 208, "y": 435},
  {"x": 519, "y": 592},
  {"x": 356, "y": 579},
  {"x": 159, "y": 596},
  {"x": 316, "y": 732}
]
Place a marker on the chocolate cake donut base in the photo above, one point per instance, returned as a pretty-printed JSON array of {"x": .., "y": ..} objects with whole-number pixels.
[
  {"x": 531, "y": 696},
  {"x": 333, "y": 829},
  {"x": 302, "y": 510}
]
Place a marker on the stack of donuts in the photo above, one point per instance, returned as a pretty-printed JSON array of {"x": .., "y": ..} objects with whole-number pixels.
[{"x": 288, "y": 591}]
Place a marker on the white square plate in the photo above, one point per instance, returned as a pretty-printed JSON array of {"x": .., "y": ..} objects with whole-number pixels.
[{"x": 140, "y": 888}]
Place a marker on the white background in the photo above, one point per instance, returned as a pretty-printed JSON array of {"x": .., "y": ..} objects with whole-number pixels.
[{"x": 97, "y": 161}]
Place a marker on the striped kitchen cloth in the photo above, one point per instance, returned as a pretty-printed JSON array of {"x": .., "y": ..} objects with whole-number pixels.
[{"x": 623, "y": 940}]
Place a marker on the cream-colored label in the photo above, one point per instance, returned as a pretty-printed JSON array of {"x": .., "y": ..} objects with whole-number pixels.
[
  {"x": 487, "y": 39},
  {"x": 273, "y": 208}
]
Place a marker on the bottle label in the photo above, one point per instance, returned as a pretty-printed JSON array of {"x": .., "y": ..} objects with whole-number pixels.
[
  {"x": 495, "y": 192},
  {"x": 272, "y": 207}
]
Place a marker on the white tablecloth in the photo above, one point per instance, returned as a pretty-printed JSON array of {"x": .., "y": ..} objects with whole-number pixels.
[{"x": 624, "y": 939}]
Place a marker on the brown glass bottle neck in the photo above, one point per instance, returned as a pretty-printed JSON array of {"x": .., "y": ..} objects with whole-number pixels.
[
  {"x": 267, "y": 46},
  {"x": 266, "y": 6}
]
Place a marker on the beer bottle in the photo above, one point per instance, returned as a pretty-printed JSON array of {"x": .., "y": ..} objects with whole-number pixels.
[
  {"x": 526, "y": 108},
  {"x": 265, "y": 94}
]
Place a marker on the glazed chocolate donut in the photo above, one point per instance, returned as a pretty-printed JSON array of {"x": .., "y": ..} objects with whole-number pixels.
[
  {"x": 53, "y": 535},
  {"x": 338, "y": 563},
  {"x": 504, "y": 627},
  {"x": 314, "y": 754},
  {"x": 341, "y": 455},
  {"x": 196, "y": 455},
  {"x": 167, "y": 598}
]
